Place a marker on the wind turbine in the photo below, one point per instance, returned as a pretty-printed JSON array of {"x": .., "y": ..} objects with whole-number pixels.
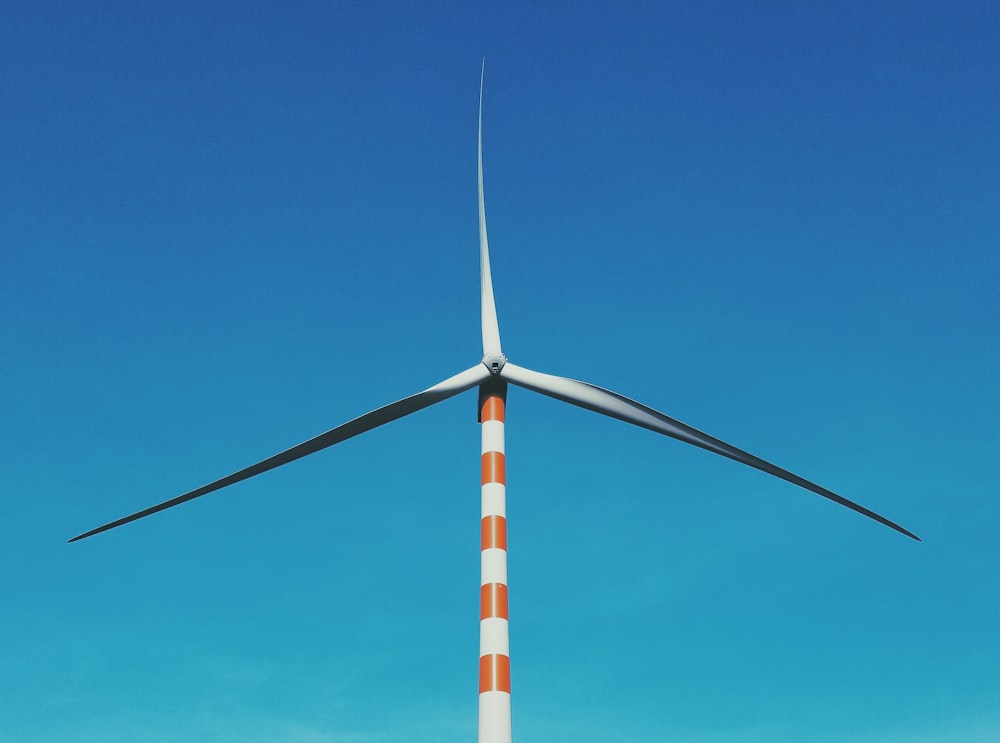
[{"x": 491, "y": 376}]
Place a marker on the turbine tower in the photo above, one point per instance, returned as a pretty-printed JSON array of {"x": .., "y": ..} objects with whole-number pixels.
[{"x": 491, "y": 376}]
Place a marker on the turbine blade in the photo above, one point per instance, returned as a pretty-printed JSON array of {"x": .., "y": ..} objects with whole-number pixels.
[
  {"x": 491, "y": 328},
  {"x": 442, "y": 391},
  {"x": 617, "y": 406}
]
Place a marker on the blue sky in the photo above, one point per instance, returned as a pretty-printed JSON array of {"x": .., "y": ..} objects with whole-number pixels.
[{"x": 224, "y": 230}]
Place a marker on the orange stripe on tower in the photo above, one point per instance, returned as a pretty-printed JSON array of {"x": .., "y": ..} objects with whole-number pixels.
[
  {"x": 492, "y": 409},
  {"x": 493, "y": 601},
  {"x": 494, "y": 467},
  {"x": 493, "y": 532},
  {"x": 494, "y": 673}
]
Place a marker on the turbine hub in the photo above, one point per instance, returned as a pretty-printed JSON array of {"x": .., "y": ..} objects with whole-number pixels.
[{"x": 494, "y": 362}]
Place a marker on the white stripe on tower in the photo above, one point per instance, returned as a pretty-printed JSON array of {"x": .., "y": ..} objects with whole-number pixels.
[{"x": 494, "y": 648}]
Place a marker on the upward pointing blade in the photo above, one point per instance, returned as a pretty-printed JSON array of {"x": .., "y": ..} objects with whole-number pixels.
[
  {"x": 491, "y": 329},
  {"x": 617, "y": 406},
  {"x": 442, "y": 391}
]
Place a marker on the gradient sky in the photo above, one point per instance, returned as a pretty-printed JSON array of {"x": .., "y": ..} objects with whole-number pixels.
[{"x": 227, "y": 227}]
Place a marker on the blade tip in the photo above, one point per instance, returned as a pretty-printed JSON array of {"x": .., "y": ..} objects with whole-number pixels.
[
  {"x": 902, "y": 530},
  {"x": 90, "y": 533}
]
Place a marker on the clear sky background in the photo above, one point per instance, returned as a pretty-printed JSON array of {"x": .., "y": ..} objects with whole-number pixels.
[{"x": 227, "y": 227}]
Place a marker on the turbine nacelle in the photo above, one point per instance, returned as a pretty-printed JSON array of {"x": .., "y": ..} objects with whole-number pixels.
[{"x": 494, "y": 361}]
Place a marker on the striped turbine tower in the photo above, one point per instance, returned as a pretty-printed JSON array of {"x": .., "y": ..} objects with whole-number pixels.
[{"x": 494, "y": 646}]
